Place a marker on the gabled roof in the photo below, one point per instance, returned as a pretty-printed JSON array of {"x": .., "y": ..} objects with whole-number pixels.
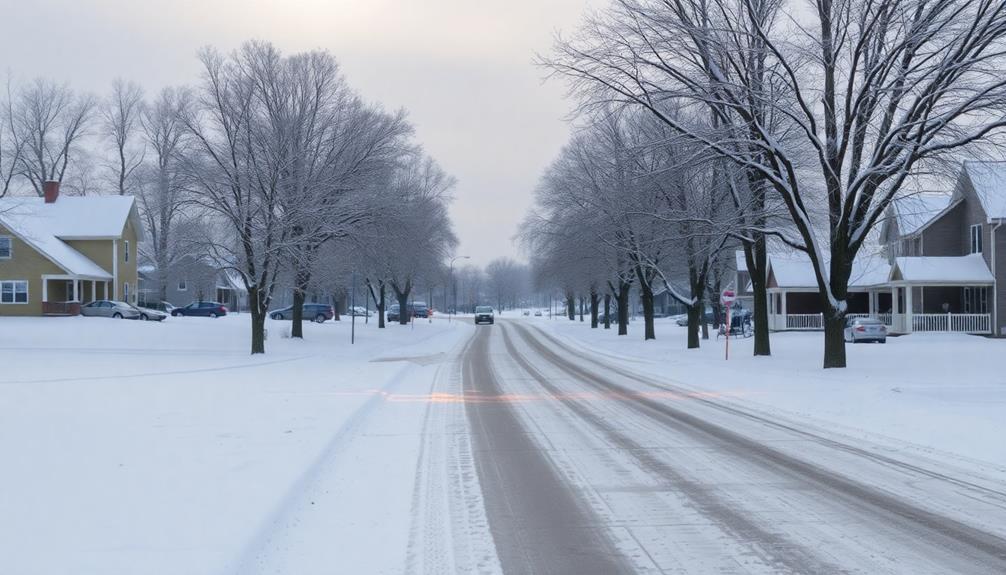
[
  {"x": 970, "y": 269},
  {"x": 989, "y": 181},
  {"x": 46, "y": 227},
  {"x": 915, "y": 211},
  {"x": 796, "y": 272}
]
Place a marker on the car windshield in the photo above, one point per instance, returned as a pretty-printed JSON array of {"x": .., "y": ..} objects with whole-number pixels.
[{"x": 483, "y": 309}]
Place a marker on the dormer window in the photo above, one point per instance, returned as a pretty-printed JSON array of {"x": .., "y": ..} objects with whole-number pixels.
[
  {"x": 6, "y": 247},
  {"x": 976, "y": 239}
]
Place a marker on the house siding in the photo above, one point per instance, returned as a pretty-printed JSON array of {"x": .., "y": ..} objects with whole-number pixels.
[
  {"x": 28, "y": 265},
  {"x": 943, "y": 236}
]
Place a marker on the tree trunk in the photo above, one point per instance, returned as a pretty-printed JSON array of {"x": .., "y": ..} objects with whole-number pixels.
[
  {"x": 757, "y": 257},
  {"x": 403, "y": 306},
  {"x": 594, "y": 302},
  {"x": 623, "y": 308},
  {"x": 607, "y": 311},
  {"x": 834, "y": 340},
  {"x": 380, "y": 305},
  {"x": 571, "y": 307},
  {"x": 694, "y": 316},
  {"x": 581, "y": 309},
  {"x": 258, "y": 321},
  {"x": 647, "y": 296},
  {"x": 297, "y": 329}
]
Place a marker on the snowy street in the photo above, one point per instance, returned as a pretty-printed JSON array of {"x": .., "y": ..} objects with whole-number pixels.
[{"x": 444, "y": 448}]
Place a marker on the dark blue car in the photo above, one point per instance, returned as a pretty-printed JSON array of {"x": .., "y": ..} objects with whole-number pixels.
[{"x": 201, "y": 308}]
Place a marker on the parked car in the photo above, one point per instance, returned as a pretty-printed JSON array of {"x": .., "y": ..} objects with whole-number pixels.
[
  {"x": 859, "y": 329},
  {"x": 164, "y": 306},
  {"x": 150, "y": 314},
  {"x": 527, "y": 312},
  {"x": 484, "y": 314},
  {"x": 201, "y": 309},
  {"x": 316, "y": 312},
  {"x": 359, "y": 311},
  {"x": 683, "y": 320},
  {"x": 537, "y": 313},
  {"x": 108, "y": 308},
  {"x": 394, "y": 312}
]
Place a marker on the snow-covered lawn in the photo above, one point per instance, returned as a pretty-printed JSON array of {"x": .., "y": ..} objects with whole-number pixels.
[
  {"x": 132, "y": 447},
  {"x": 944, "y": 394}
]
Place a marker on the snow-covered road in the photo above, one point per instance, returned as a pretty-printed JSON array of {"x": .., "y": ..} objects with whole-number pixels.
[
  {"x": 525, "y": 447},
  {"x": 677, "y": 481}
]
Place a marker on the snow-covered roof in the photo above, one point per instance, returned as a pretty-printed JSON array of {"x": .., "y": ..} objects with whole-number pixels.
[
  {"x": 914, "y": 211},
  {"x": 970, "y": 269},
  {"x": 46, "y": 226},
  {"x": 989, "y": 180},
  {"x": 792, "y": 271}
]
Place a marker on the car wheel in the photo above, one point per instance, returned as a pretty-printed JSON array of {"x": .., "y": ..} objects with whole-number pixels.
[
  {"x": 116, "y": 315},
  {"x": 320, "y": 318},
  {"x": 882, "y": 340},
  {"x": 143, "y": 317},
  {"x": 213, "y": 315}
]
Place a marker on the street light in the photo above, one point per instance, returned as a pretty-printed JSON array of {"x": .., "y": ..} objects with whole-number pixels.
[{"x": 450, "y": 312}]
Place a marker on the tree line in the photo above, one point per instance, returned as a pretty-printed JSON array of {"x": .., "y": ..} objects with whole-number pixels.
[
  {"x": 270, "y": 166},
  {"x": 758, "y": 123}
]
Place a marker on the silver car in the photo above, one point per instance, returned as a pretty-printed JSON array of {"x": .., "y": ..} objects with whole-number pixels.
[
  {"x": 108, "y": 308},
  {"x": 859, "y": 329},
  {"x": 150, "y": 314}
]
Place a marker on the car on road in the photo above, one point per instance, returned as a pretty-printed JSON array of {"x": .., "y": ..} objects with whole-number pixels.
[
  {"x": 109, "y": 308},
  {"x": 859, "y": 329},
  {"x": 201, "y": 309},
  {"x": 420, "y": 309},
  {"x": 537, "y": 313},
  {"x": 316, "y": 312},
  {"x": 484, "y": 314},
  {"x": 151, "y": 314},
  {"x": 394, "y": 312}
]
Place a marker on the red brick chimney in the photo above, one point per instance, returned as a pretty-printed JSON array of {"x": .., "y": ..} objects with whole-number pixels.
[{"x": 51, "y": 191}]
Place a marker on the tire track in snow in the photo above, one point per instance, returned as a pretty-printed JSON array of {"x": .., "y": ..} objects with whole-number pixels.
[{"x": 962, "y": 542}]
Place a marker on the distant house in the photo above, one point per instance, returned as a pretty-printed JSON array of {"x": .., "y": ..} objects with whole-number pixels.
[
  {"x": 194, "y": 279},
  {"x": 942, "y": 265},
  {"x": 57, "y": 252}
]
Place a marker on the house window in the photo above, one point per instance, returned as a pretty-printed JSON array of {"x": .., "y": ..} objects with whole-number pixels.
[
  {"x": 976, "y": 239},
  {"x": 183, "y": 285},
  {"x": 127, "y": 251},
  {"x": 13, "y": 292},
  {"x": 125, "y": 292},
  {"x": 6, "y": 247}
]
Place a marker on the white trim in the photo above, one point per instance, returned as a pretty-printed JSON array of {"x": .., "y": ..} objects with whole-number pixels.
[
  {"x": 10, "y": 247},
  {"x": 115, "y": 270},
  {"x": 14, "y": 292}
]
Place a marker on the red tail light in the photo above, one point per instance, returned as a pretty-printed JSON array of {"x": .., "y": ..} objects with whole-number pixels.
[
  {"x": 860, "y": 328},
  {"x": 223, "y": 309}
]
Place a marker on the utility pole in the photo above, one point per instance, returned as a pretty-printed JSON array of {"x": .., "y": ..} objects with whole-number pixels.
[{"x": 352, "y": 312}]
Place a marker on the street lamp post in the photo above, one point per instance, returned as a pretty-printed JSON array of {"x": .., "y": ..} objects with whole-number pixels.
[{"x": 450, "y": 312}]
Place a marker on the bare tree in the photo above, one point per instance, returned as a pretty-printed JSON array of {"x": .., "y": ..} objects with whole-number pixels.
[
  {"x": 121, "y": 123},
  {"x": 46, "y": 122}
]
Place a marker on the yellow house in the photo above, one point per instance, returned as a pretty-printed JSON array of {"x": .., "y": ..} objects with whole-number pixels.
[{"x": 58, "y": 252}]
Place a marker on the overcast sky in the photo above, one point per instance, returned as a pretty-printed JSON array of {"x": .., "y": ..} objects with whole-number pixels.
[{"x": 463, "y": 68}]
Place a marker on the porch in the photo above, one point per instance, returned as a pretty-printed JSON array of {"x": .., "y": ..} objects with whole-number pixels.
[{"x": 62, "y": 295}]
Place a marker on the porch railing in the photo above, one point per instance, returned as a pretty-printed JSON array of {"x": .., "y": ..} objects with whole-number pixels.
[
  {"x": 804, "y": 321},
  {"x": 953, "y": 322},
  {"x": 60, "y": 308}
]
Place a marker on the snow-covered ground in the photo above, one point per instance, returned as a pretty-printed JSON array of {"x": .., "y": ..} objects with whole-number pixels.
[
  {"x": 133, "y": 447},
  {"x": 942, "y": 394}
]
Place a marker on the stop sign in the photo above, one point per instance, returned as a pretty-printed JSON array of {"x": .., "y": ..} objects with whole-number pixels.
[{"x": 728, "y": 296}]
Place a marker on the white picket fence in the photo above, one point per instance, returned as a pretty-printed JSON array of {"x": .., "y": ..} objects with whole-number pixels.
[
  {"x": 953, "y": 322},
  {"x": 946, "y": 322},
  {"x": 804, "y": 321}
]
